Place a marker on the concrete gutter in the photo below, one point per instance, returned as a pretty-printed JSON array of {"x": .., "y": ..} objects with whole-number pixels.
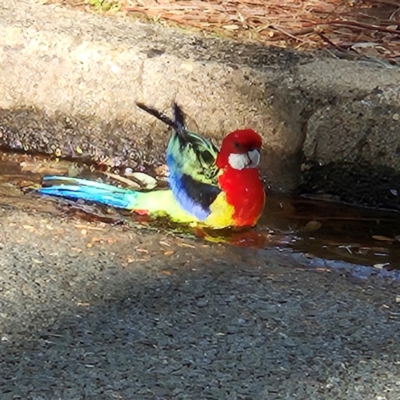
[{"x": 69, "y": 81}]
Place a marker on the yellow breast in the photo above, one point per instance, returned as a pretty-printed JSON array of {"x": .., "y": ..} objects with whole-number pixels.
[{"x": 221, "y": 213}]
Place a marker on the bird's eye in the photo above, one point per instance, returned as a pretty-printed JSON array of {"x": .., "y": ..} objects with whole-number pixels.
[
  {"x": 237, "y": 145},
  {"x": 207, "y": 156}
]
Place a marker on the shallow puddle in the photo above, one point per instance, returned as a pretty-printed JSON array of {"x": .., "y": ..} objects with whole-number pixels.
[
  {"x": 318, "y": 229},
  {"x": 336, "y": 231}
]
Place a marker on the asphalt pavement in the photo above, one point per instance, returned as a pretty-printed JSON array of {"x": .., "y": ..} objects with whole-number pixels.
[{"x": 96, "y": 311}]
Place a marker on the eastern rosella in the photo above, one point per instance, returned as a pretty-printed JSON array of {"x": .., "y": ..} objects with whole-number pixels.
[{"x": 217, "y": 189}]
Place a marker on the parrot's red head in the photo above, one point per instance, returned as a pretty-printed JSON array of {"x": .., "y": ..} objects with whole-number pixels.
[{"x": 240, "y": 149}]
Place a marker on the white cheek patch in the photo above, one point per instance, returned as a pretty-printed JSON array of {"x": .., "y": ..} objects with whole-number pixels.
[
  {"x": 238, "y": 161},
  {"x": 254, "y": 156},
  {"x": 247, "y": 160}
]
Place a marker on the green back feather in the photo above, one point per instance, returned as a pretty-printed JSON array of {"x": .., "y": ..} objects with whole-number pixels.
[
  {"x": 187, "y": 152},
  {"x": 194, "y": 156}
]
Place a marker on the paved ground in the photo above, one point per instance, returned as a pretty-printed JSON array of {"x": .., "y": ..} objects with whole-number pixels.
[{"x": 93, "y": 311}]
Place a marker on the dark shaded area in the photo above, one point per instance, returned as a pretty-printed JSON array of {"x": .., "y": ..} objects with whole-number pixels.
[
  {"x": 356, "y": 183},
  {"x": 233, "y": 53},
  {"x": 81, "y": 138}
]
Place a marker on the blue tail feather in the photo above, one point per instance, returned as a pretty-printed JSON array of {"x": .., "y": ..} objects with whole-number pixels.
[{"x": 75, "y": 189}]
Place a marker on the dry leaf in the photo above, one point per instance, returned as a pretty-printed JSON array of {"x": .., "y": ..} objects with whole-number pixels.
[
  {"x": 312, "y": 226},
  {"x": 381, "y": 265},
  {"x": 148, "y": 182},
  {"x": 383, "y": 238},
  {"x": 232, "y": 27}
]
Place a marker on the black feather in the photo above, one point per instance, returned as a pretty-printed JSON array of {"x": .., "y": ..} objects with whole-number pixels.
[
  {"x": 202, "y": 193},
  {"x": 178, "y": 123},
  {"x": 179, "y": 118},
  {"x": 159, "y": 115}
]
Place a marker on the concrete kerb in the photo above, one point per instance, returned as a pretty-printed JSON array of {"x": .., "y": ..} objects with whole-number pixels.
[{"x": 70, "y": 80}]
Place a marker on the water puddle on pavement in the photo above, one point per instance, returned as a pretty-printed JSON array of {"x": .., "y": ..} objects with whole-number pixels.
[
  {"x": 317, "y": 229},
  {"x": 336, "y": 231}
]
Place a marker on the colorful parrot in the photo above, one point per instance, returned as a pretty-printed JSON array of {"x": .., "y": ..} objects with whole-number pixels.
[{"x": 217, "y": 189}]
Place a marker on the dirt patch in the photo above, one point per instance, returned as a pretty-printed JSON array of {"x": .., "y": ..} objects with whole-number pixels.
[{"x": 352, "y": 29}]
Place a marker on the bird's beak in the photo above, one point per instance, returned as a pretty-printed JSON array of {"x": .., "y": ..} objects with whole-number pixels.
[{"x": 254, "y": 157}]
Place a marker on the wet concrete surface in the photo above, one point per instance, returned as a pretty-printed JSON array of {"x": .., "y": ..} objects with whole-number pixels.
[
  {"x": 325, "y": 230},
  {"x": 90, "y": 310}
]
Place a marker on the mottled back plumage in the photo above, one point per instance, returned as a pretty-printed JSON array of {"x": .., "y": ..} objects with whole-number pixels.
[{"x": 192, "y": 164}]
